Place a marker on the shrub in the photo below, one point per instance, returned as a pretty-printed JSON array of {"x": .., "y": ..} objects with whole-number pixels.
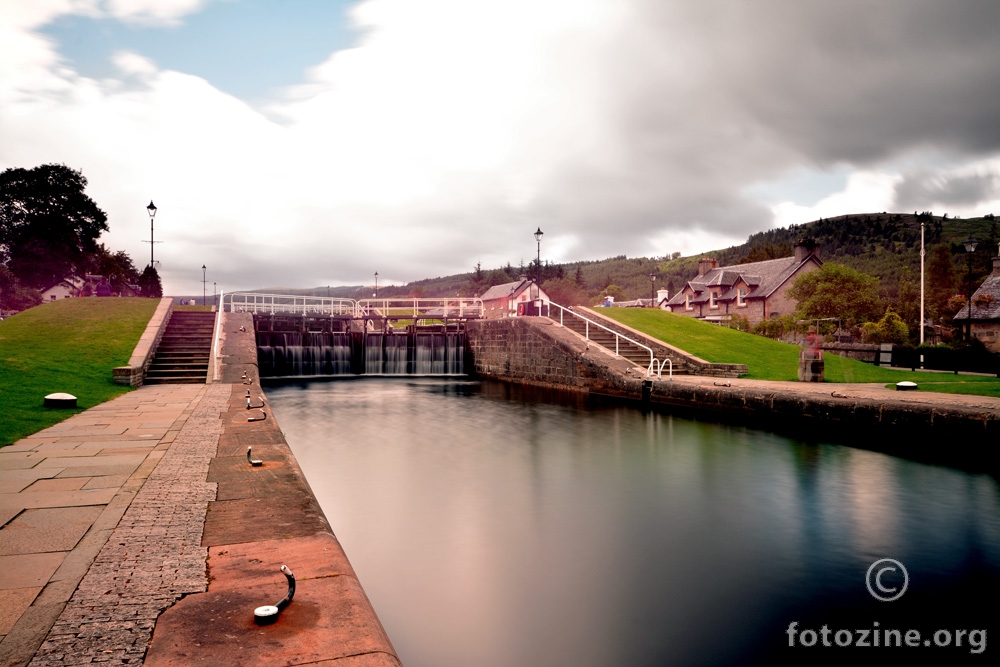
[{"x": 890, "y": 329}]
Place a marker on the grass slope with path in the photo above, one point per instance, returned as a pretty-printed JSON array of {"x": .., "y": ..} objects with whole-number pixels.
[
  {"x": 768, "y": 359},
  {"x": 70, "y": 345}
]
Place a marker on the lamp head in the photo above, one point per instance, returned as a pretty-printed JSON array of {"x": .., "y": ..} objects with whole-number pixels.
[
  {"x": 151, "y": 209},
  {"x": 970, "y": 244},
  {"x": 538, "y": 234}
]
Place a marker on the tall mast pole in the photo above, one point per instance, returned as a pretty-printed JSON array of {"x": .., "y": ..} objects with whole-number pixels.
[{"x": 922, "y": 253}]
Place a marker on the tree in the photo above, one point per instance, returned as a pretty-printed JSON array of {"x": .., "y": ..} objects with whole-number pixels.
[
  {"x": 890, "y": 329},
  {"x": 149, "y": 283},
  {"x": 48, "y": 225},
  {"x": 15, "y": 296},
  {"x": 578, "y": 279},
  {"x": 942, "y": 281},
  {"x": 837, "y": 291},
  {"x": 565, "y": 292},
  {"x": 117, "y": 268}
]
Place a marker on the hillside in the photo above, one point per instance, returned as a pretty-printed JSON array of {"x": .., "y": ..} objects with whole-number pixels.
[{"x": 886, "y": 245}]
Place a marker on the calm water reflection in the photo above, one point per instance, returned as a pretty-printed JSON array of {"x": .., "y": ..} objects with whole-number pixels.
[{"x": 493, "y": 525}]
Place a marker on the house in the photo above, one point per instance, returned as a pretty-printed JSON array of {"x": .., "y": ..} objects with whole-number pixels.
[
  {"x": 522, "y": 297},
  {"x": 985, "y": 321},
  {"x": 66, "y": 288},
  {"x": 757, "y": 290}
]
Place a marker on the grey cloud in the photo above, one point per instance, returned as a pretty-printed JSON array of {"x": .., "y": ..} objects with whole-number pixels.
[{"x": 920, "y": 190}]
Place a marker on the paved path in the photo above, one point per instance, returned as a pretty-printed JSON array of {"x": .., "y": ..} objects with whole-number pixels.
[{"x": 63, "y": 494}]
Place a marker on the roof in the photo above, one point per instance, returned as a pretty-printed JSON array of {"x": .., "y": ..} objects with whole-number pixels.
[
  {"x": 505, "y": 291},
  {"x": 70, "y": 282},
  {"x": 762, "y": 277},
  {"x": 986, "y": 311}
]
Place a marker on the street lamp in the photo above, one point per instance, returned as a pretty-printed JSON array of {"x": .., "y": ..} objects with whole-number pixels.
[
  {"x": 151, "y": 209},
  {"x": 376, "y": 284},
  {"x": 215, "y": 295},
  {"x": 652, "y": 291},
  {"x": 204, "y": 286},
  {"x": 970, "y": 247},
  {"x": 538, "y": 259}
]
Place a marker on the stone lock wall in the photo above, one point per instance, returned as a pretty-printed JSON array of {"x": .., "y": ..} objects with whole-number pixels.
[{"x": 535, "y": 350}]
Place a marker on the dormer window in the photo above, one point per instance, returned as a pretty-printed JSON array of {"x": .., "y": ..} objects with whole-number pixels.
[
  {"x": 711, "y": 300},
  {"x": 741, "y": 296},
  {"x": 687, "y": 302}
]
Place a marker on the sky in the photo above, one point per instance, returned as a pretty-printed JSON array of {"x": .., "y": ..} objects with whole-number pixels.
[{"x": 303, "y": 143}]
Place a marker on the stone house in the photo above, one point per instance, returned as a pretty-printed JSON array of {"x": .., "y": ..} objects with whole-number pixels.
[
  {"x": 513, "y": 299},
  {"x": 985, "y": 322},
  {"x": 757, "y": 290}
]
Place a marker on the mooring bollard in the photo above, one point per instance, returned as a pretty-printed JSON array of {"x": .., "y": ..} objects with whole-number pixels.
[
  {"x": 269, "y": 613},
  {"x": 258, "y": 419},
  {"x": 251, "y": 459}
]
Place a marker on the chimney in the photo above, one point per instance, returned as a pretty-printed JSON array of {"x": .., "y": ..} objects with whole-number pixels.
[
  {"x": 662, "y": 294},
  {"x": 706, "y": 264},
  {"x": 996, "y": 267},
  {"x": 803, "y": 247}
]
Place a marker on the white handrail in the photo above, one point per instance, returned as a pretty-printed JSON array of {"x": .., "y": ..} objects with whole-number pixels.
[
  {"x": 259, "y": 302},
  {"x": 422, "y": 308},
  {"x": 618, "y": 336}
]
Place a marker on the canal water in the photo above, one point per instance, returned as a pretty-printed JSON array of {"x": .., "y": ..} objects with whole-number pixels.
[{"x": 498, "y": 525}]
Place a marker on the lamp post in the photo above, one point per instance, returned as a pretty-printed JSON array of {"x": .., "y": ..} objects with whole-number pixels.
[
  {"x": 970, "y": 247},
  {"x": 215, "y": 295},
  {"x": 204, "y": 286},
  {"x": 151, "y": 209},
  {"x": 376, "y": 284},
  {"x": 652, "y": 291},
  {"x": 538, "y": 258}
]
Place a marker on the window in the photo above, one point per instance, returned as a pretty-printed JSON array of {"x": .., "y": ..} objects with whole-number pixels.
[
  {"x": 741, "y": 296},
  {"x": 711, "y": 300},
  {"x": 687, "y": 302}
]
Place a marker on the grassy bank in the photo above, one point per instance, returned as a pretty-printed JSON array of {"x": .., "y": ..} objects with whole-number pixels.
[
  {"x": 769, "y": 359},
  {"x": 70, "y": 345}
]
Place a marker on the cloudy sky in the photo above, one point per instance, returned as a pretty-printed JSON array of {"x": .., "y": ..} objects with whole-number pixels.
[{"x": 308, "y": 142}]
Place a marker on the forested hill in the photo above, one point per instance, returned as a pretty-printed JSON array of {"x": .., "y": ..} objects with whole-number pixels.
[{"x": 886, "y": 245}]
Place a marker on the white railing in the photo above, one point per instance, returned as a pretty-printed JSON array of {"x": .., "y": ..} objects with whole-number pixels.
[
  {"x": 654, "y": 365},
  {"x": 421, "y": 309},
  {"x": 251, "y": 302}
]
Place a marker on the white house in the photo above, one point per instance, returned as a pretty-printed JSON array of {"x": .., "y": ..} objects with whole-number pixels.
[
  {"x": 522, "y": 297},
  {"x": 66, "y": 288}
]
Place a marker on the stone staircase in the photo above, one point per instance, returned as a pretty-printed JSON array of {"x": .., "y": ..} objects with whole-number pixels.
[
  {"x": 606, "y": 339},
  {"x": 184, "y": 351}
]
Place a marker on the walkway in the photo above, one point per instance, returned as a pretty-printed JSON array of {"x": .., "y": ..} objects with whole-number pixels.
[
  {"x": 67, "y": 489},
  {"x": 129, "y": 526}
]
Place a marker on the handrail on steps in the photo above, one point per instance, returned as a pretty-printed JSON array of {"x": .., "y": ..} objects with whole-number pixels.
[{"x": 654, "y": 364}]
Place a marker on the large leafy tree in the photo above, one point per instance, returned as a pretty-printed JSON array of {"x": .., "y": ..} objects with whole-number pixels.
[
  {"x": 117, "y": 268},
  {"x": 838, "y": 291},
  {"x": 48, "y": 226}
]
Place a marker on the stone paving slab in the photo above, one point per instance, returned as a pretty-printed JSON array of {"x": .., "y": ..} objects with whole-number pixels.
[
  {"x": 49, "y": 529},
  {"x": 13, "y": 602},
  {"x": 42, "y": 522},
  {"x": 29, "y": 569}
]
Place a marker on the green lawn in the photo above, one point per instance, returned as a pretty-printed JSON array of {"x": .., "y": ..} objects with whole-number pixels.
[
  {"x": 70, "y": 345},
  {"x": 768, "y": 359}
]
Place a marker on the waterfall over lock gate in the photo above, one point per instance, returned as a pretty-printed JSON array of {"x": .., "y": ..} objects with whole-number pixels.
[{"x": 408, "y": 352}]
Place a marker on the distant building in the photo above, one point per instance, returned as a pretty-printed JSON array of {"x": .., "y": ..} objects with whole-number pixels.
[
  {"x": 985, "y": 322},
  {"x": 757, "y": 290},
  {"x": 66, "y": 288},
  {"x": 513, "y": 299}
]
